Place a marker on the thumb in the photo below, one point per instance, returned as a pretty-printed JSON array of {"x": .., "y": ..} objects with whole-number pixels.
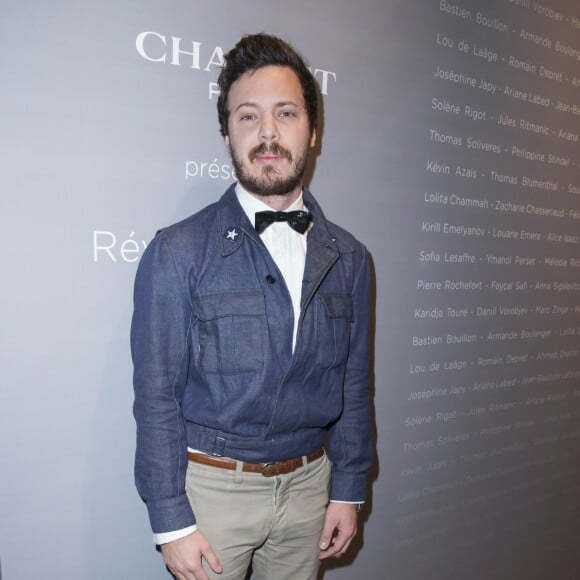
[
  {"x": 326, "y": 536},
  {"x": 212, "y": 560}
]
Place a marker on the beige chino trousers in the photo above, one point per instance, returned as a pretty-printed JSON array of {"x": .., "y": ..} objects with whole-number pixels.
[{"x": 273, "y": 523}]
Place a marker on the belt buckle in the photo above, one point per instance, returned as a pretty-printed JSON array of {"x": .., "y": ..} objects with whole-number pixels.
[{"x": 270, "y": 469}]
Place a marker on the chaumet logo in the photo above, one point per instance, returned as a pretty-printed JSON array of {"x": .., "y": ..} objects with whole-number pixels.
[{"x": 156, "y": 47}]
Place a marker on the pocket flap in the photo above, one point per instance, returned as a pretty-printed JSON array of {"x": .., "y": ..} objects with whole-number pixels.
[
  {"x": 237, "y": 303},
  {"x": 338, "y": 305}
]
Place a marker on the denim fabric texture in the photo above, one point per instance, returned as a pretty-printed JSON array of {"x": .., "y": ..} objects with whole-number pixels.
[{"x": 211, "y": 341}]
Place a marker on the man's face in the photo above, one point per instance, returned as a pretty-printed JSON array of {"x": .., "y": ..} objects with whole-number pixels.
[{"x": 268, "y": 131}]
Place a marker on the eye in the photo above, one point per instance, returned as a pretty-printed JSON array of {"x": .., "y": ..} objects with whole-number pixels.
[
  {"x": 247, "y": 117},
  {"x": 287, "y": 114}
]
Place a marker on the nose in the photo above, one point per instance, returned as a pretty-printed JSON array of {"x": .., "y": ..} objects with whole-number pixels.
[{"x": 269, "y": 129}]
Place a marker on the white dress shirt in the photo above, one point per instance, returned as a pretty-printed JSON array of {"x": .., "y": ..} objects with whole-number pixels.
[{"x": 286, "y": 246}]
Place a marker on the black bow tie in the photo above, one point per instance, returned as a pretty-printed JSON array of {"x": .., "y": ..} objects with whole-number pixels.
[{"x": 297, "y": 220}]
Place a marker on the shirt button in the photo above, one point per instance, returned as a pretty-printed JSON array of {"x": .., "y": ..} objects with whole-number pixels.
[{"x": 270, "y": 279}]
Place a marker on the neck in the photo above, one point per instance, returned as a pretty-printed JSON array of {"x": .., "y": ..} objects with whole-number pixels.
[{"x": 279, "y": 202}]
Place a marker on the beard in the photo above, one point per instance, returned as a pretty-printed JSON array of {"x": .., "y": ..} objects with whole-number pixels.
[{"x": 270, "y": 182}]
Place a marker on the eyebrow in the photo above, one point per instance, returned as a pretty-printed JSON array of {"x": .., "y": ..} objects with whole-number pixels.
[{"x": 255, "y": 105}]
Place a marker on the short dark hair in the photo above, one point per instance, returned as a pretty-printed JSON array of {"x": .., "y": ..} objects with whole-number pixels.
[{"x": 256, "y": 51}]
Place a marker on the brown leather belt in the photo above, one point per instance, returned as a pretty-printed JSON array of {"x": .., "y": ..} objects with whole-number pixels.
[{"x": 266, "y": 469}]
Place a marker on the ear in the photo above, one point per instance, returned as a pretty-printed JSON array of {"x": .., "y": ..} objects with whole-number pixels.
[
  {"x": 313, "y": 138},
  {"x": 227, "y": 140}
]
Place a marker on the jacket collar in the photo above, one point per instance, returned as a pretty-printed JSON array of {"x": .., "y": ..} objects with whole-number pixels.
[{"x": 234, "y": 225}]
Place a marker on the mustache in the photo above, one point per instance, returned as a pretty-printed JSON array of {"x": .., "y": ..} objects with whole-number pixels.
[{"x": 272, "y": 148}]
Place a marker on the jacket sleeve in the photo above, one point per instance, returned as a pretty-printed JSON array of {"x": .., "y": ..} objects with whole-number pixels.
[
  {"x": 160, "y": 349},
  {"x": 349, "y": 439}
]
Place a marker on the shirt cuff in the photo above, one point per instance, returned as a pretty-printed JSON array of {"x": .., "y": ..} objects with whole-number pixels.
[{"x": 166, "y": 537}]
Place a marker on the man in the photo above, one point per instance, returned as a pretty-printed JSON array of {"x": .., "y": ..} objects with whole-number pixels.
[{"x": 250, "y": 342}]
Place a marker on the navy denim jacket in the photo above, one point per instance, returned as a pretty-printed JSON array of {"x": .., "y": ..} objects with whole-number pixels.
[{"x": 211, "y": 341}]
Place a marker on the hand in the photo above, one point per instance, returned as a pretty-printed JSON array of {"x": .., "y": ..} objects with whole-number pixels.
[
  {"x": 183, "y": 557},
  {"x": 339, "y": 529}
]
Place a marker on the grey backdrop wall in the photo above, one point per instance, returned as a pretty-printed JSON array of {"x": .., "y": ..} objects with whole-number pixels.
[{"x": 450, "y": 147}]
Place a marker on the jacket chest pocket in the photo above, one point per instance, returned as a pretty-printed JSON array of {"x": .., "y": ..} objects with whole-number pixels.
[
  {"x": 231, "y": 331},
  {"x": 335, "y": 315}
]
